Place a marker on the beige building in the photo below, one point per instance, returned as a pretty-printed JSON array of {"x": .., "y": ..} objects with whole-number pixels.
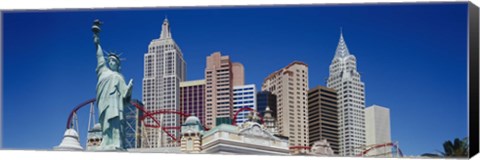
[
  {"x": 323, "y": 116},
  {"x": 238, "y": 71},
  {"x": 290, "y": 84},
  {"x": 219, "y": 76}
]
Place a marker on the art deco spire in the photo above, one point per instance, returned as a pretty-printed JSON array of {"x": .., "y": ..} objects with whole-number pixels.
[
  {"x": 342, "y": 49},
  {"x": 165, "y": 34}
]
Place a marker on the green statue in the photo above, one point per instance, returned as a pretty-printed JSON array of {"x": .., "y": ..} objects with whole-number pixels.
[{"x": 112, "y": 96}]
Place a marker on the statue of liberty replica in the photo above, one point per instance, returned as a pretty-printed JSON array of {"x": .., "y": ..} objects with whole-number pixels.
[{"x": 113, "y": 94}]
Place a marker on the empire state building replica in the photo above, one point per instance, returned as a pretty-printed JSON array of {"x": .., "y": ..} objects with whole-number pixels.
[
  {"x": 164, "y": 69},
  {"x": 345, "y": 79}
]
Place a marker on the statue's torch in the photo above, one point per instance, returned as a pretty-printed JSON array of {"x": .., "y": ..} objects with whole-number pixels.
[
  {"x": 96, "y": 29},
  {"x": 96, "y": 26}
]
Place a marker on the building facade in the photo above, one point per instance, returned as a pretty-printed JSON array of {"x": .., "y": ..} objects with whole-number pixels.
[
  {"x": 243, "y": 97},
  {"x": 250, "y": 138},
  {"x": 164, "y": 69},
  {"x": 264, "y": 99},
  {"x": 290, "y": 85},
  {"x": 192, "y": 99},
  {"x": 345, "y": 79},
  {"x": 323, "y": 116},
  {"x": 377, "y": 126}
]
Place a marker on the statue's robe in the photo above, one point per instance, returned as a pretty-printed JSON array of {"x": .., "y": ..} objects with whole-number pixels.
[{"x": 112, "y": 96}]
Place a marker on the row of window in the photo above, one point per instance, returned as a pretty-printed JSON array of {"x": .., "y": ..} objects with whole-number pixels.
[{"x": 243, "y": 89}]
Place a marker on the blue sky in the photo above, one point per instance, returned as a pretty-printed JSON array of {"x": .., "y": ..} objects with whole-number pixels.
[{"x": 412, "y": 58}]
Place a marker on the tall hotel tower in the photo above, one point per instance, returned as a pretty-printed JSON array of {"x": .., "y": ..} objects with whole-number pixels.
[
  {"x": 218, "y": 89},
  {"x": 164, "y": 69},
  {"x": 345, "y": 79},
  {"x": 221, "y": 75},
  {"x": 290, "y": 84}
]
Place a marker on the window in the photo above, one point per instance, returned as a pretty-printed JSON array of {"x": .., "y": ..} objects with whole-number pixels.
[{"x": 189, "y": 144}]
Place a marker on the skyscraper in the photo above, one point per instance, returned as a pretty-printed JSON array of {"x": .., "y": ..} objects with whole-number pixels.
[
  {"x": 377, "y": 126},
  {"x": 218, "y": 89},
  {"x": 164, "y": 69},
  {"x": 243, "y": 97},
  {"x": 345, "y": 79},
  {"x": 192, "y": 99},
  {"x": 290, "y": 84},
  {"x": 323, "y": 116}
]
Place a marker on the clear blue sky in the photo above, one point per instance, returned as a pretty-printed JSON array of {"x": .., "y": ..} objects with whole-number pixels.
[{"x": 412, "y": 59}]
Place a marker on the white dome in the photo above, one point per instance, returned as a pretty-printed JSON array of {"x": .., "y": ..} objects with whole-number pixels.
[
  {"x": 70, "y": 141},
  {"x": 97, "y": 127}
]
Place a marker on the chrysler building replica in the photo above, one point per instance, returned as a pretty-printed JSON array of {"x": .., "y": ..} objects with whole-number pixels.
[
  {"x": 164, "y": 69},
  {"x": 345, "y": 79}
]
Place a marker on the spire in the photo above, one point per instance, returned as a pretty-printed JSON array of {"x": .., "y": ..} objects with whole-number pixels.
[
  {"x": 165, "y": 34},
  {"x": 342, "y": 49}
]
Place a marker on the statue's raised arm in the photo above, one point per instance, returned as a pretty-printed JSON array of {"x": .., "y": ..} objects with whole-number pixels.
[{"x": 96, "y": 39}]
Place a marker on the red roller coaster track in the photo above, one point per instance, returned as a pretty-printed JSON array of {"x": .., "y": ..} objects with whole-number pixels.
[
  {"x": 382, "y": 145},
  {"x": 234, "y": 121},
  {"x": 69, "y": 121},
  {"x": 142, "y": 119},
  {"x": 364, "y": 152}
]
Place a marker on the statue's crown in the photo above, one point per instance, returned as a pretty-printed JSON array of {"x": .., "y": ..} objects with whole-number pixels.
[{"x": 116, "y": 56}]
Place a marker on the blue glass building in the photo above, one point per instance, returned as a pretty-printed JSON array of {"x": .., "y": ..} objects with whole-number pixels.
[
  {"x": 243, "y": 97},
  {"x": 264, "y": 99}
]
